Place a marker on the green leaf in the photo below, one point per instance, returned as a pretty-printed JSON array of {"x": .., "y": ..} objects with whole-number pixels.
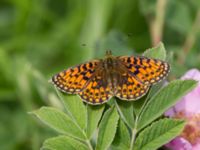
[
  {"x": 157, "y": 52},
  {"x": 126, "y": 112},
  {"x": 122, "y": 138},
  {"x": 158, "y": 134},
  {"x": 155, "y": 89},
  {"x": 94, "y": 114},
  {"x": 138, "y": 105},
  {"x": 63, "y": 143},
  {"x": 111, "y": 102},
  {"x": 75, "y": 108},
  {"x": 107, "y": 129},
  {"x": 164, "y": 99},
  {"x": 59, "y": 121}
]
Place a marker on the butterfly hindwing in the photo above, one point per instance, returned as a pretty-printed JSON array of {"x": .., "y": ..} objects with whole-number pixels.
[
  {"x": 97, "y": 91},
  {"x": 146, "y": 70},
  {"x": 129, "y": 88}
]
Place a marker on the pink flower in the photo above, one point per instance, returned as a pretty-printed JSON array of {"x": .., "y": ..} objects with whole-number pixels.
[{"x": 188, "y": 108}]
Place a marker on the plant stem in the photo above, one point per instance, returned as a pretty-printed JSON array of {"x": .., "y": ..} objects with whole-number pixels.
[
  {"x": 157, "y": 23},
  {"x": 191, "y": 38},
  {"x": 134, "y": 131},
  {"x": 89, "y": 145}
]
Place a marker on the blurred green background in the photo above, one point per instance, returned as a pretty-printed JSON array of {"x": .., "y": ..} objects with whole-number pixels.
[{"x": 39, "y": 38}]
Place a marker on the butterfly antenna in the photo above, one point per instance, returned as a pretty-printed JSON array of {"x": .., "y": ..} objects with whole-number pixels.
[{"x": 108, "y": 52}]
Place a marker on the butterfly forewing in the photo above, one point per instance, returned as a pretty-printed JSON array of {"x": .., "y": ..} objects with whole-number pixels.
[
  {"x": 75, "y": 79},
  {"x": 146, "y": 70}
]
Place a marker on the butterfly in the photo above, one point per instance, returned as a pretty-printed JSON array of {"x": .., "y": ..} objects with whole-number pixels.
[{"x": 126, "y": 77}]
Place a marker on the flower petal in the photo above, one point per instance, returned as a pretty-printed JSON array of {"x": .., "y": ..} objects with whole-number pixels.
[
  {"x": 192, "y": 74},
  {"x": 196, "y": 147},
  {"x": 170, "y": 112},
  {"x": 179, "y": 144}
]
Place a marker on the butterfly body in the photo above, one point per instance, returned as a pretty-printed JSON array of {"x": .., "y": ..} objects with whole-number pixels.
[{"x": 127, "y": 78}]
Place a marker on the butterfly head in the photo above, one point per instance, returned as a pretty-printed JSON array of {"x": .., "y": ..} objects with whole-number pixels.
[
  {"x": 110, "y": 61},
  {"x": 109, "y": 57},
  {"x": 108, "y": 53}
]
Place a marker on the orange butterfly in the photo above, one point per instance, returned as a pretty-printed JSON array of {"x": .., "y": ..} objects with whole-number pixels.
[{"x": 97, "y": 81}]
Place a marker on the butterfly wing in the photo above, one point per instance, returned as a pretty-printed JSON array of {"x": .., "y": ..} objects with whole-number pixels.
[
  {"x": 98, "y": 90},
  {"x": 146, "y": 70},
  {"x": 75, "y": 79},
  {"x": 129, "y": 88}
]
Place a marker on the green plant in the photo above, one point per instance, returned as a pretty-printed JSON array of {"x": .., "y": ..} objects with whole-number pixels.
[{"x": 118, "y": 124}]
